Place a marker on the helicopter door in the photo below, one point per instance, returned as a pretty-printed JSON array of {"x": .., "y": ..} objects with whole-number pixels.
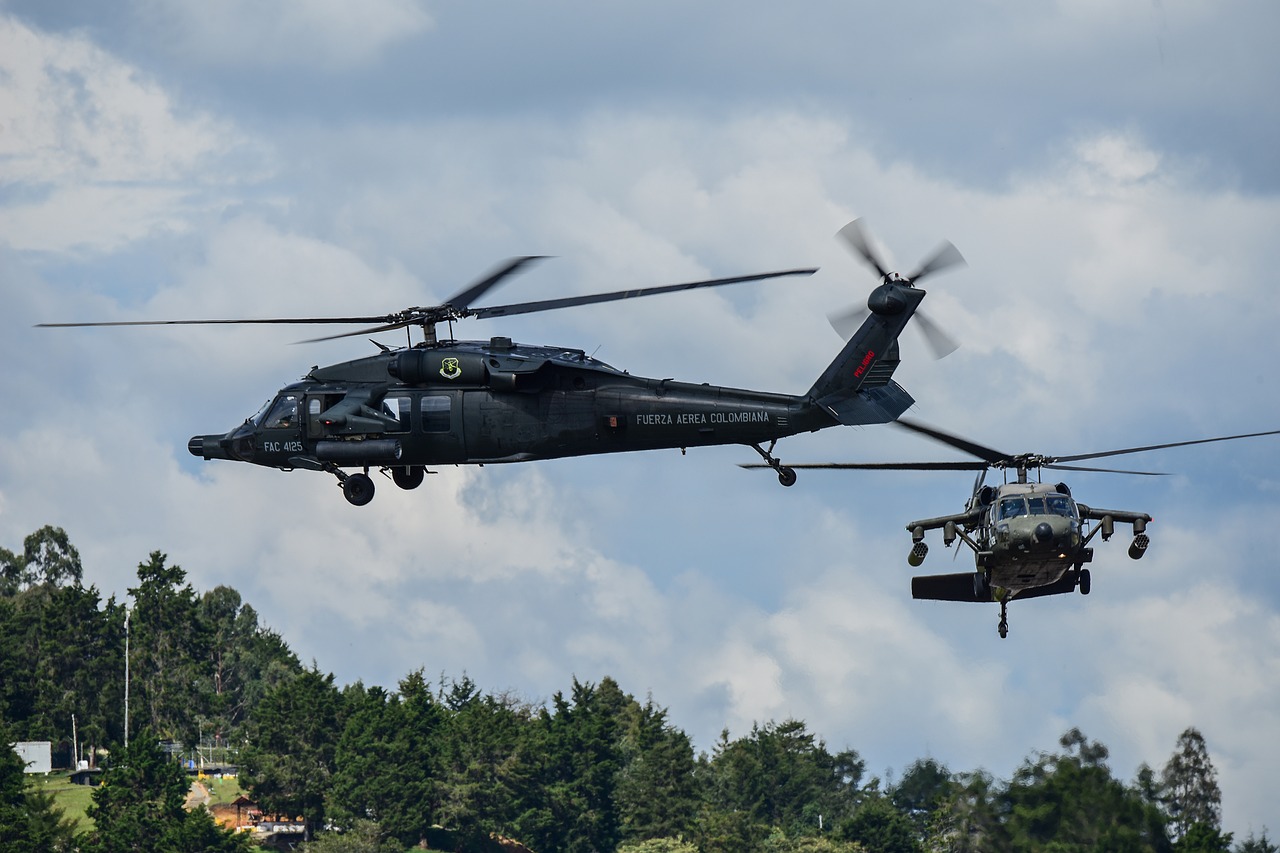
[
  {"x": 440, "y": 423},
  {"x": 317, "y": 403}
]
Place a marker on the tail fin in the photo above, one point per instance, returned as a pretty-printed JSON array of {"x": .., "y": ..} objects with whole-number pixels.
[{"x": 858, "y": 387}]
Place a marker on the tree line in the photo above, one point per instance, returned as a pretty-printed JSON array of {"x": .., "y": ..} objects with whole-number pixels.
[{"x": 446, "y": 764}]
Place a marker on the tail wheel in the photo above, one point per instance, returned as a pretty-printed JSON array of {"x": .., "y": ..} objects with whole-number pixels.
[
  {"x": 409, "y": 476},
  {"x": 358, "y": 489}
]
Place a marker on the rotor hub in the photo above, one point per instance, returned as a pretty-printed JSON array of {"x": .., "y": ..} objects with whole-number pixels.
[{"x": 887, "y": 299}]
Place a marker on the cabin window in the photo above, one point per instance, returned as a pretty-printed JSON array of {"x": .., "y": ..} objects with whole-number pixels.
[
  {"x": 284, "y": 414},
  {"x": 436, "y": 414},
  {"x": 399, "y": 409}
]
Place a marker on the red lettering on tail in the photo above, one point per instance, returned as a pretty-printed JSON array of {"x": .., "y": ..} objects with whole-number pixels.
[{"x": 866, "y": 362}]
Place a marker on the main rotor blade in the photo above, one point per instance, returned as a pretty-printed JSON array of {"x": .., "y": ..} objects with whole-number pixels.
[
  {"x": 375, "y": 330},
  {"x": 455, "y": 308},
  {"x": 474, "y": 291},
  {"x": 878, "y": 466},
  {"x": 1161, "y": 446},
  {"x": 995, "y": 457},
  {"x": 1106, "y": 470},
  {"x": 857, "y": 238},
  {"x": 943, "y": 257},
  {"x": 287, "y": 321},
  {"x": 594, "y": 298}
]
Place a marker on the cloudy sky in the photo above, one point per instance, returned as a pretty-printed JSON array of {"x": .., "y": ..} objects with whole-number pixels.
[{"x": 1108, "y": 169}]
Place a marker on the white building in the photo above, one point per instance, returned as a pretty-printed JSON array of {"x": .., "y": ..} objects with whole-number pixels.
[{"x": 36, "y": 754}]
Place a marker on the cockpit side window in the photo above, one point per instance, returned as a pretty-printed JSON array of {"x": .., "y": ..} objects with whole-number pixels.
[
  {"x": 1009, "y": 507},
  {"x": 1061, "y": 505},
  {"x": 284, "y": 414}
]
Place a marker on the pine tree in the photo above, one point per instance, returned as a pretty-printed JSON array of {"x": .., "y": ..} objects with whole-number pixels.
[
  {"x": 1072, "y": 800},
  {"x": 1190, "y": 786},
  {"x": 29, "y": 822},
  {"x": 657, "y": 793},
  {"x": 167, "y": 650},
  {"x": 289, "y": 763}
]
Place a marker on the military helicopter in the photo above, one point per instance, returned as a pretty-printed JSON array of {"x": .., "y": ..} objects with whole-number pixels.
[
  {"x": 445, "y": 401},
  {"x": 1029, "y": 539}
]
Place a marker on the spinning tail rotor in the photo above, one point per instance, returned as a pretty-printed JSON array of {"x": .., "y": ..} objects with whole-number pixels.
[{"x": 943, "y": 257}]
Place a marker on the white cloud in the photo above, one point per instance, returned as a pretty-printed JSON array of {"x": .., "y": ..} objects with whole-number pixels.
[
  {"x": 1117, "y": 159},
  {"x": 75, "y": 113},
  {"x": 95, "y": 154},
  {"x": 1113, "y": 298},
  {"x": 1204, "y": 656}
]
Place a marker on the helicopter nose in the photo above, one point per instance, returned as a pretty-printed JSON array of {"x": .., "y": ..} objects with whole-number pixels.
[
  {"x": 207, "y": 447},
  {"x": 1043, "y": 532}
]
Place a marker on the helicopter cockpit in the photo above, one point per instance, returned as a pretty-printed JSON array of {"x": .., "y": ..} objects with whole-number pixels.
[
  {"x": 1051, "y": 504},
  {"x": 283, "y": 415}
]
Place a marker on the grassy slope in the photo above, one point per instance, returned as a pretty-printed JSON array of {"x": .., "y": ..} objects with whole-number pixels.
[{"x": 74, "y": 800}]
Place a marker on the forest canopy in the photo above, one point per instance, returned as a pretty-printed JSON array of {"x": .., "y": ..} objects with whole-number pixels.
[{"x": 593, "y": 769}]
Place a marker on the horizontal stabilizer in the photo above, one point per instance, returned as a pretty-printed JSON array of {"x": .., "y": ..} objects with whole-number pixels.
[
  {"x": 1061, "y": 587},
  {"x": 875, "y": 405},
  {"x": 957, "y": 587}
]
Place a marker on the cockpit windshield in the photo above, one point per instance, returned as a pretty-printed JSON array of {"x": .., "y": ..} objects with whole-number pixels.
[
  {"x": 1037, "y": 505},
  {"x": 256, "y": 420},
  {"x": 284, "y": 414}
]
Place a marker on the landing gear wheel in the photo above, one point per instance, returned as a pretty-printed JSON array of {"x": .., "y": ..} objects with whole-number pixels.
[
  {"x": 409, "y": 477},
  {"x": 358, "y": 489},
  {"x": 1003, "y": 627},
  {"x": 786, "y": 476},
  {"x": 1084, "y": 582}
]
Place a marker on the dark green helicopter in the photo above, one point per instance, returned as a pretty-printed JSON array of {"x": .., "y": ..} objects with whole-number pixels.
[
  {"x": 447, "y": 402},
  {"x": 1028, "y": 539}
]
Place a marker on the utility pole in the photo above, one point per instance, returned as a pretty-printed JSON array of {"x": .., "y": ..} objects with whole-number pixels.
[{"x": 126, "y": 676}]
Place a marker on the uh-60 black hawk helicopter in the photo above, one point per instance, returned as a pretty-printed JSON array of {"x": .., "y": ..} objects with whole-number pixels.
[
  {"x": 440, "y": 402},
  {"x": 1028, "y": 539}
]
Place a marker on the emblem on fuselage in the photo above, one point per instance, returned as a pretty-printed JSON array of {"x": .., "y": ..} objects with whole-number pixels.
[{"x": 450, "y": 369}]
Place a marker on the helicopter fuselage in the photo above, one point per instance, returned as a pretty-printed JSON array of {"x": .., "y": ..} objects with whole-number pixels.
[
  {"x": 1028, "y": 539},
  {"x": 472, "y": 402},
  {"x": 481, "y": 402},
  {"x": 1029, "y": 536}
]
